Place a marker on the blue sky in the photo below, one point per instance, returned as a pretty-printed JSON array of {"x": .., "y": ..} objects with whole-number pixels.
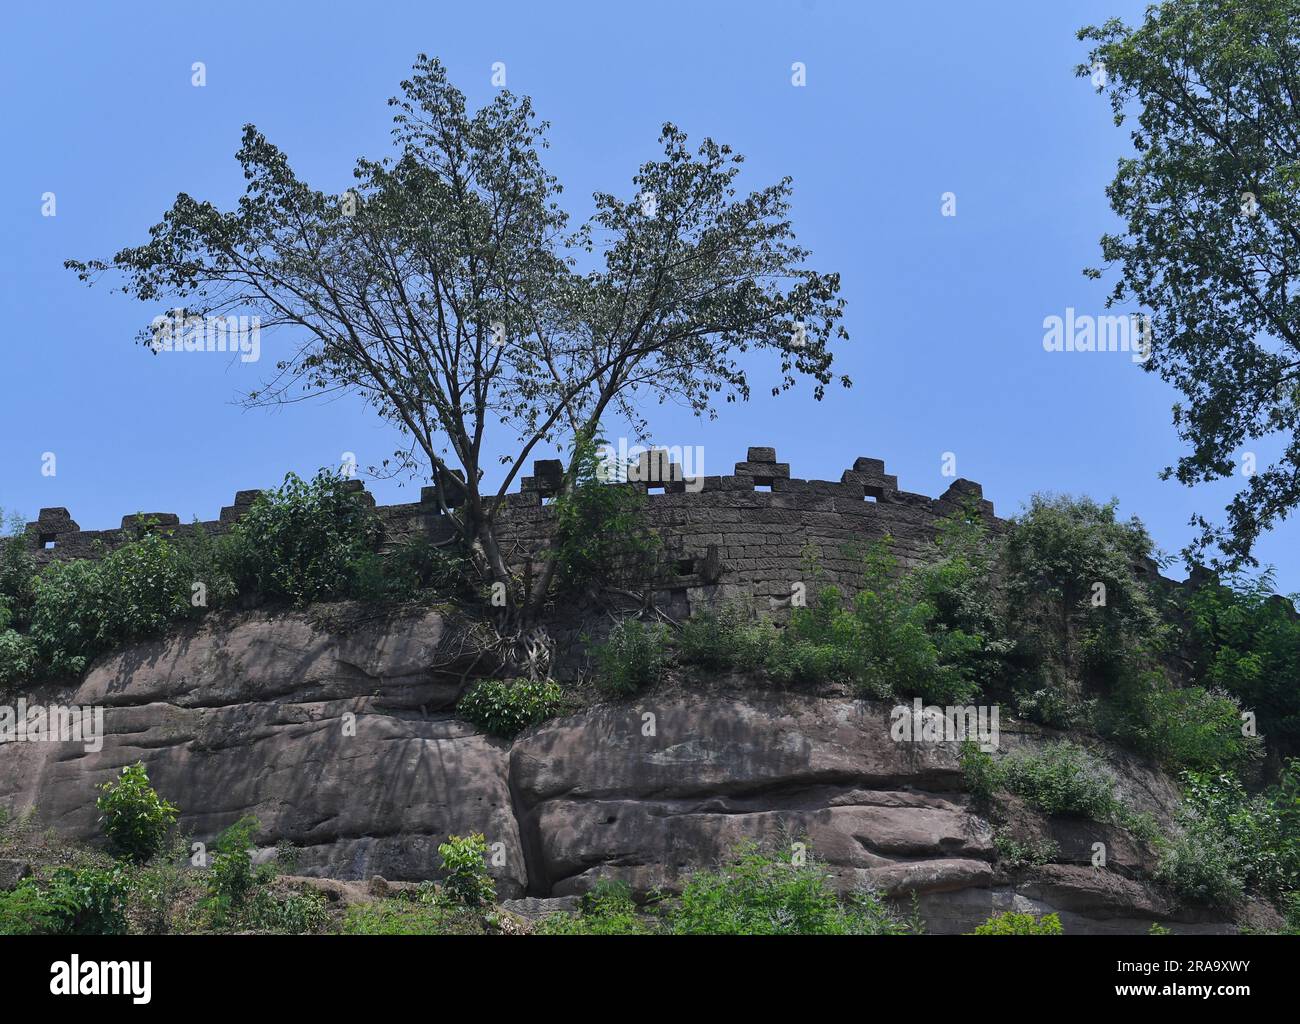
[{"x": 903, "y": 102}]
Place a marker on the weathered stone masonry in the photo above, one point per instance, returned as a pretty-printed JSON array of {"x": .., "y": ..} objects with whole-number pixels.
[{"x": 735, "y": 537}]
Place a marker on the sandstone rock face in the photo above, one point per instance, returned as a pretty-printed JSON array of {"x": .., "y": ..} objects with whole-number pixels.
[
  {"x": 346, "y": 746},
  {"x": 320, "y": 738}
]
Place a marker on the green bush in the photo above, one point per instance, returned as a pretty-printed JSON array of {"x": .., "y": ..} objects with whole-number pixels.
[
  {"x": 232, "y": 879},
  {"x": 1057, "y": 553},
  {"x": 18, "y": 658},
  {"x": 886, "y": 641},
  {"x": 632, "y": 657},
  {"x": 757, "y": 893},
  {"x": 1011, "y": 923},
  {"x": 1260, "y": 833},
  {"x": 89, "y": 901},
  {"x": 298, "y": 913},
  {"x": 506, "y": 707},
  {"x": 1191, "y": 728},
  {"x": 402, "y": 917},
  {"x": 466, "y": 882},
  {"x": 134, "y": 818},
  {"x": 1199, "y": 866},
  {"x": 17, "y": 573},
  {"x": 727, "y": 638},
  {"x": 1062, "y": 779},
  {"x": 608, "y": 909},
  {"x": 25, "y": 910},
  {"x": 302, "y": 542},
  {"x": 1247, "y": 641}
]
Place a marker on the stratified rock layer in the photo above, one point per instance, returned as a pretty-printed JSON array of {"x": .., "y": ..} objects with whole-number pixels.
[{"x": 344, "y": 744}]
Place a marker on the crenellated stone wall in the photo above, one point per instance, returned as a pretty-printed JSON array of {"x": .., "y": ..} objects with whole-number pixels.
[{"x": 737, "y": 537}]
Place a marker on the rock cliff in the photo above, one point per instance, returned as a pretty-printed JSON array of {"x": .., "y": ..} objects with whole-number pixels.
[{"x": 343, "y": 741}]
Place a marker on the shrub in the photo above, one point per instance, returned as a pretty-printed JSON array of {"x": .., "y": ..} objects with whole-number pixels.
[
  {"x": 1011, "y": 923},
  {"x": 727, "y": 638},
  {"x": 298, "y": 913},
  {"x": 1191, "y": 728},
  {"x": 134, "y": 818},
  {"x": 89, "y": 901},
  {"x": 402, "y": 917},
  {"x": 1247, "y": 641},
  {"x": 1258, "y": 837},
  {"x": 884, "y": 641},
  {"x": 25, "y": 910},
  {"x": 65, "y": 619},
  {"x": 18, "y": 658},
  {"x": 1062, "y": 779},
  {"x": 302, "y": 541},
  {"x": 1199, "y": 865},
  {"x": 232, "y": 877},
  {"x": 1057, "y": 553},
  {"x": 506, "y": 707},
  {"x": 466, "y": 882},
  {"x": 632, "y": 657},
  {"x": 17, "y": 573},
  {"x": 83, "y": 607},
  {"x": 760, "y": 894},
  {"x": 1032, "y": 853},
  {"x": 608, "y": 909}
]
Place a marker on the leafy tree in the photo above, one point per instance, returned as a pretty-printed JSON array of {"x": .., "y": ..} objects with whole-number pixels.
[
  {"x": 447, "y": 290},
  {"x": 1211, "y": 242}
]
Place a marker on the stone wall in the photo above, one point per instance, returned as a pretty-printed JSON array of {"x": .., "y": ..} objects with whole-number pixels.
[{"x": 737, "y": 537}]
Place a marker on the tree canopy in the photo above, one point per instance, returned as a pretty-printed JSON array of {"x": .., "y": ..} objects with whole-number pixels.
[{"x": 1211, "y": 239}]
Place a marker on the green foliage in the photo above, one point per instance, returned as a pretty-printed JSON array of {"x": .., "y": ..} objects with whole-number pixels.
[
  {"x": 26, "y": 910},
  {"x": 18, "y": 657},
  {"x": 1062, "y": 778},
  {"x": 84, "y": 607},
  {"x": 466, "y": 882},
  {"x": 134, "y": 818},
  {"x": 298, "y": 913},
  {"x": 1247, "y": 641},
  {"x": 757, "y": 893},
  {"x": 506, "y": 707},
  {"x": 1032, "y": 853},
  {"x": 885, "y": 641},
  {"x": 231, "y": 878},
  {"x": 1060, "y": 554},
  {"x": 600, "y": 535},
  {"x": 1198, "y": 866},
  {"x": 403, "y": 917},
  {"x": 726, "y": 638},
  {"x": 1011, "y": 923},
  {"x": 608, "y": 909},
  {"x": 17, "y": 573},
  {"x": 303, "y": 542},
  {"x": 1183, "y": 728},
  {"x": 89, "y": 901},
  {"x": 1209, "y": 203},
  {"x": 1253, "y": 839},
  {"x": 632, "y": 657}
]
